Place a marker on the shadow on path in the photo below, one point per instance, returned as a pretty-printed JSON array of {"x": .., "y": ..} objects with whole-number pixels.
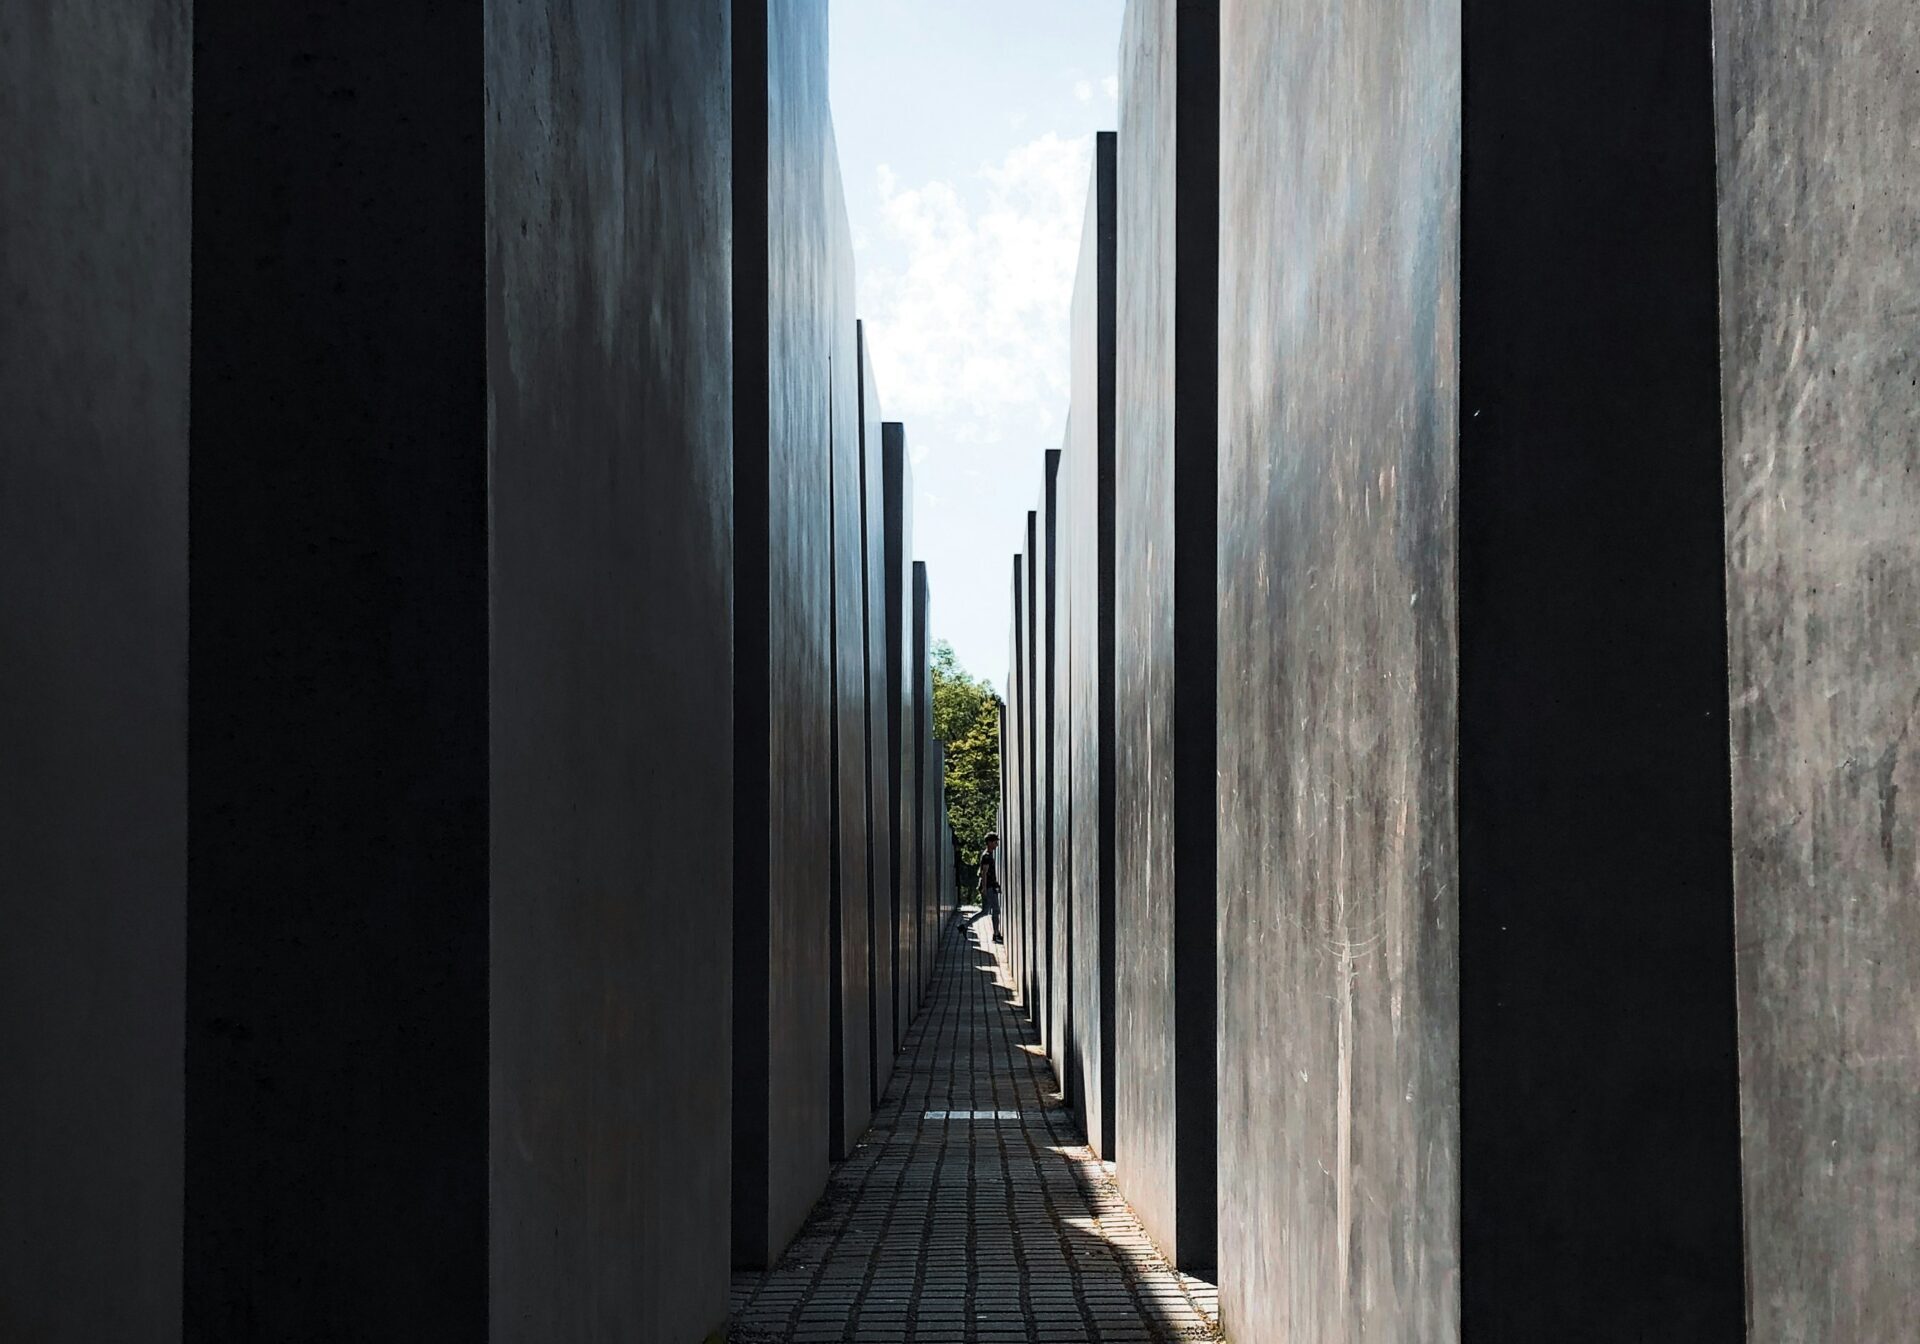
[{"x": 972, "y": 1210}]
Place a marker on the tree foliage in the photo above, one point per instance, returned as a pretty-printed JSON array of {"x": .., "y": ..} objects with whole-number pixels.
[{"x": 966, "y": 717}]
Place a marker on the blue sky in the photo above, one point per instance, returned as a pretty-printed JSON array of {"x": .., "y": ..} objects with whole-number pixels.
[{"x": 965, "y": 130}]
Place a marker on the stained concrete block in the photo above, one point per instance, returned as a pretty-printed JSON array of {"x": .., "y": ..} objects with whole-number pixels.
[
  {"x": 1548, "y": 1102},
  {"x": 1819, "y": 262},
  {"x": 903, "y": 693},
  {"x": 923, "y": 774},
  {"x": 1034, "y": 990},
  {"x": 1165, "y": 611},
  {"x": 1338, "y": 1127},
  {"x": 1063, "y": 1044},
  {"x": 1013, "y": 828},
  {"x": 785, "y": 287},
  {"x": 1052, "y": 940},
  {"x": 336, "y": 1112},
  {"x": 851, "y": 1064},
  {"x": 881, "y": 861},
  {"x": 95, "y": 129},
  {"x": 611, "y": 779},
  {"x": 1087, "y": 545},
  {"x": 1600, "y": 1184}
]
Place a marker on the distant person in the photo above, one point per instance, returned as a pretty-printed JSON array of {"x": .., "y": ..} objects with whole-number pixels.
[{"x": 990, "y": 883}]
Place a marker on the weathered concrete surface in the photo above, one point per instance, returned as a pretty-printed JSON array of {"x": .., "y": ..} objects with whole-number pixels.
[
  {"x": 784, "y": 288},
  {"x": 1339, "y": 168},
  {"x": 336, "y": 1019},
  {"x": 612, "y": 755},
  {"x": 1820, "y": 263},
  {"x": 1013, "y": 828},
  {"x": 95, "y": 124},
  {"x": 903, "y": 692},
  {"x": 1051, "y": 942},
  {"x": 1033, "y": 995},
  {"x": 851, "y": 1085},
  {"x": 1058, "y": 801},
  {"x": 1087, "y": 544},
  {"x": 1164, "y": 612},
  {"x": 925, "y": 776},
  {"x": 881, "y": 863},
  {"x": 1598, "y": 1111}
]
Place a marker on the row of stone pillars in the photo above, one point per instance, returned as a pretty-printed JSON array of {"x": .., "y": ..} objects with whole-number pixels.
[
  {"x": 1463, "y": 662},
  {"x": 471, "y": 834}
]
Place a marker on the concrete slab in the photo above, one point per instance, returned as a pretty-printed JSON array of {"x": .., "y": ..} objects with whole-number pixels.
[
  {"x": 95, "y": 147},
  {"x": 1165, "y": 610},
  {"x": 1819, "y": 262}
]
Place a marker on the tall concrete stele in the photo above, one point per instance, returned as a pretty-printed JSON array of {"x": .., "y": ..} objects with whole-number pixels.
[
  {"x": 447, "y": 849},
  {"x": 1517, "y": 602}
]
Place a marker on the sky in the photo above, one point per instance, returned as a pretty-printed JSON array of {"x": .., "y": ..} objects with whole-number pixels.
[{"x": 965, "y": 131}]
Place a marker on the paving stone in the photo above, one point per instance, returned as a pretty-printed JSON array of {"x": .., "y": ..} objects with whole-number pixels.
[{"x": 972, "y": 1212}]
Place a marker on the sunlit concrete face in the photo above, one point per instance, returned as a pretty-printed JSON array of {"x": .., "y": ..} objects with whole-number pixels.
[
  {"x": 881, "y": 861},
  {"x": 1164, "y": 614},
  {"x": 852, "y": 1068},
  {"x": 1086, "y": 793},
  {"x": 95, "y": 255},
  {"x": 903, "y": 694},
  {"x": 1819, "y": 264},
  {"x": 1051, "y": 942},
  {"x": 784, "y": 622},
  {"x": 1339, "y": 191}
]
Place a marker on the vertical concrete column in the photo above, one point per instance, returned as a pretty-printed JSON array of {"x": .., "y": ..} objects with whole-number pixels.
[
  {"x": 1059, "y": 799},
  {"x": 611, "y": 772},
  {"x": 1089, "y": 490},
  {"x": 1047, "y": 629},
  {"x": 337, "y": 999},
  {"x": 902, "y": 689},
  {"x": 851, "y": 1063},
  {"x": 920, "y": 738},
  {"x": 1819, "y": 265},
  {"x": 1518, "y": 1086},
  {"x": 95, "y": 147},
  {"x": 1013, "y": 751},
  {"x": 1599, "y": 1164},
  {"x": 881, "y": 863},
  {"x": 1035, "y": 992},
  {"x": 784, "y": 286},
  {"x": 1166, "y": 609}
]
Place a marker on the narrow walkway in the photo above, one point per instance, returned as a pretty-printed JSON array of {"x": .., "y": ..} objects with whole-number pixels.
[{"x": 973, "y": 1210}]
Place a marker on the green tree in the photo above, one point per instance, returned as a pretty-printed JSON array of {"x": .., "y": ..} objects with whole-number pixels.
[{"x": 966, "y": 717}]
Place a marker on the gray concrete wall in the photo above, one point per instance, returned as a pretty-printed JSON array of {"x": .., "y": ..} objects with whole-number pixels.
[
  {"x": 881, "y": 862},
  {"x": 851, "y": 1084},
  {"x": 94, "y": 214},
  {"x": 1164, "y": 586},
  {"x": 1033, "y": 991},
  {"x": 922, "y": 773},
  {"x": 1051, "y": 942},
  {"x": 1600, "y": 1187},
  {"x": 903, "y": 690},
  {"x": 1339, "y": 164},
  {"x": 1820, "y": 263},
  {"x": 1013, "y": 830},
  {"x": 612, "y": 758},
  {"x": 783, "y": 718},
  {"x": 1088, "y": 545},
  {"x": 1065, "y": 1041},
  {"x": 337, "y": 1004}
]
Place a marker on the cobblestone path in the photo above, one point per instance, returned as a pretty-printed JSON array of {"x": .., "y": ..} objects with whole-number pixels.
[{"x": 973, "y": 1210}]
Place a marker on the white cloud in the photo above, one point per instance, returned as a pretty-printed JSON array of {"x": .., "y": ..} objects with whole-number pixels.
[
  {"x": 970, "y": 319},
  {"x": 1112, "y": 85},
  {"x": 1083, "y": 90}
]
